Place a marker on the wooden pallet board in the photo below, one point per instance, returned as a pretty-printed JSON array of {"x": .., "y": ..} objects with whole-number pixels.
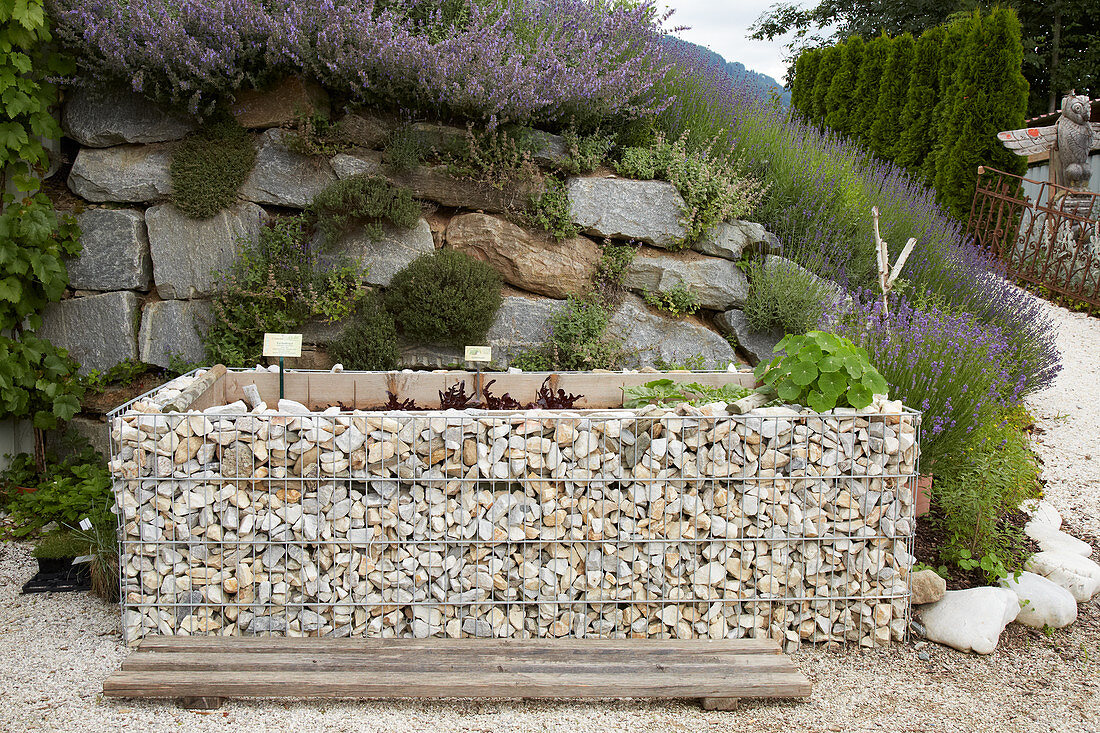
[{"x": 202, "y": 671}]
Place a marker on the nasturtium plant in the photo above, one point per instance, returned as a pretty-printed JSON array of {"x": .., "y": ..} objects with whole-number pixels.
[{"x": 822, "y": 371}]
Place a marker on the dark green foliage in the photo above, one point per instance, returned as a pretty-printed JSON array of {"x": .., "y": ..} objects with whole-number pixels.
[
  {"x": 971, "y": 500},
  {"x": 893, "y": 93},
  {"x": 804, "y": 79},
  {"x": 677, "y": 301},
  {"x": 445, "y": 297},
  {"x": 822, "y": 371},
  {"x": 370, "y": 342},
  {"x": 210, "y": 166},
  {"x": 991, "y": 96},
  {"x": 918, "y": 131},
  {"x": 364, "y": 200},
  {"x": 865, "y": 100},
  {"x": 842, "y": 89},
  {"x": 60, "y": 544},
  {"x": 578, "y": 340},
  {"x": 584, "y": 153},
  {"x": 66, "y": 492},
  {"x": 614, "y": 261},
  {"x": 785, "y": 296},
  {"x": 831, "y": 59},
  {"x": 316, "y": 134},
  {"x": 954, "y": 39},
  {"x": 276, "y": 285},
  {"x": 404, "y": 150}
]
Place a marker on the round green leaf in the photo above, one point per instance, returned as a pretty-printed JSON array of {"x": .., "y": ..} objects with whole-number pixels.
[
  {"x": 830, "y": 363},
  {"x": 832, "y": 383},
  {"x": 859, "y": 396},
  {"x": 819, "y": 402},
  {"x": 853, "y": 365},
  {"x": 874, "y": 381},
  {"x": 803, "y": 373},
  {"x": 789, "y": 391}
]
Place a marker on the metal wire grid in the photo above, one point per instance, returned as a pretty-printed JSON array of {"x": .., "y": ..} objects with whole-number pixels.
[{"x": 535, "y": 547}]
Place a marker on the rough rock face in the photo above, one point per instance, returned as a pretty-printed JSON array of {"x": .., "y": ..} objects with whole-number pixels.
[
  {"x": 1042, "y": 602},
  {"x": 972, "y": 619},
  {"x": 432, "y": 183},
  {"x": 171, "y": 328},
  {"x": 280, "y": 105},
  {"x": 526, "y": 260},
  {"x": 285, "y": 178},
  {"x": 620, "y": 208},
  {"x": 99, "y": 331},
  {"x": 124, "y": 173},
  {"x": 365, "y": 130},
  {"x": 927, "y": 586},
  {"x": 521, "y": 324},
  {"x": 388, "y": 256},
  {"x": 189, "y": 253},
  {"x": 716, "y": 283},
  {"x": 758, "y": 345},
  {"x": 648, "y": 336},
  {"x": 115, "y": 255},
  {"x": 731, "y": 239},
  {"x": 100, "y": 118}
]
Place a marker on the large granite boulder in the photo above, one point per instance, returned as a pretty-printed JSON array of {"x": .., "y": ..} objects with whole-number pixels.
[
  {"x": 99, "y": 331},
  {"x": 115, "y": 253},
  {"x": 522, "y": 323},
  {"x": 529, "y": 261},
  {"x": 758, "y": 345},
  {"x": 648, "y": 336},
  {"x": 731, "y": 239},
  {"x": 280, "y": 105},
  {"x": 282, "y": 177},
  {"x": 971, "y": 619},
  {"x": 100, "y": 118},
  {"x": 365, "y": 130},
  {"x": 173, "y": 328},
  {"x": 1077, "y": 574},
  {"x": 188, "y": 254},
  {"x": 620, "y": 208},
  {"x": 386, "y": 257},
  {"x": 432, "y": 183},
  {"x": 124, "y": 173},
  {"x": 716, "y": 283}
]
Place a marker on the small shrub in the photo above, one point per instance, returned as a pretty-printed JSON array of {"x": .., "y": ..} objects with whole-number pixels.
[
  {"x": 124, "y": 373},
  {"x": 823, "y": 371},
  {"x": 614, "y": 261},
  {"x": 585, "y": 153},
  {"x": 370, "y": 342},
  {"x": 403, "y": 150},
  {"x": 210, "y": 166},
  {"x": 501, "y": 157},
  {"x": 549, "y": 210},
  {"x": 70, "y": 490},
  {"x": 578, "y": 340},
  {"x": 445, "y": 297},
  {"x": 713, "y": 189},
  {"x": 364, "y": 200},
  {"x": 679, "y": 301},
  {"x": 276, "y": 285},
  {"x": 785, "y": 296},
  {"x": 316, "y": 134}
]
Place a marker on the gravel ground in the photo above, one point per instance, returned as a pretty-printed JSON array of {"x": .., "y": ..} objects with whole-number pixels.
[{"x": 56, "y": 649}]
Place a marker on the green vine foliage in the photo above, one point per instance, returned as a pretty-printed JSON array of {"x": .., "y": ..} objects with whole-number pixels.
[{"x": 36, "y": 379}]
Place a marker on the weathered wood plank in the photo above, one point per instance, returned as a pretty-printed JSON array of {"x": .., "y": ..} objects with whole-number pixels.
[{"x": 370, "y": 683}]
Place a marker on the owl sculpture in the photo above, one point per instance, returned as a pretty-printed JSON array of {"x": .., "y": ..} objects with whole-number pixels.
[{"x": 1073, "y": 132}]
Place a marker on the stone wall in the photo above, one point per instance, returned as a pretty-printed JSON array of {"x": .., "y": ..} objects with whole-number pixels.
[
  {"x": 139, "y": 288},
  {"x": 683, "y": 523}
]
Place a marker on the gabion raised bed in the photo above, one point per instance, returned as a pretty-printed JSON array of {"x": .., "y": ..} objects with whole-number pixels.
[{"x": 325, "y": 516}]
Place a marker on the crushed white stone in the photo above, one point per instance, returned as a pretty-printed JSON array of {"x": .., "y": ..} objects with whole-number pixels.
[{"x": 56, "y": 649}]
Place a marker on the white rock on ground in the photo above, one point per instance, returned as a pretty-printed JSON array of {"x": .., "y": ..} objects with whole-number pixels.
[
  {"x": 970, "y": 620},
  {"x": 1079, "y": 575},
  {"x": 1042, "y": 512},
  {"x": 1055, "y": 540},
  {"x": 1042, "y": 602}
]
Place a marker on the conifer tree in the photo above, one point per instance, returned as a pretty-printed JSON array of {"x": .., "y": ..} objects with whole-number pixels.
[
  {"x": 865, "y": 100},
  {"x": 805, "y": 72},
  {"x": 830, "y": 62},
  {"x": 989, "y": 95},
  {"x": 893, "y": 91},
  {"x": 842, "y": 88},
  {"x": 918, "y": 132},
  {"x": 954, "y": 37}
]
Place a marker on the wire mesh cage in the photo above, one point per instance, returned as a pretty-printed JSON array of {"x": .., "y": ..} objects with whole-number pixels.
[{"x": 659, "y": 522}]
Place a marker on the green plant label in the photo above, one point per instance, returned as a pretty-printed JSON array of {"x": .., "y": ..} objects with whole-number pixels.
[{"x": 479, "y": 353}]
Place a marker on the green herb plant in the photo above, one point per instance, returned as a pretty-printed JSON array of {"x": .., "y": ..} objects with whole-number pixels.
[
  {"x": 678, "y": 301},
  {"x": 823, "y": 371},
  {"x": 66, "y": 492},
  {"x": 667, "y": 391},
  {"x": 209, "y": 167},
  {"x": 367, "y": 201}
]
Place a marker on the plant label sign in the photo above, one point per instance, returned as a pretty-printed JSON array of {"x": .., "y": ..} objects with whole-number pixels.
[
  {"x": 85, "y": 524},
  {"x": 282, "y": 344},
  {"x": 479, "y": 353}
]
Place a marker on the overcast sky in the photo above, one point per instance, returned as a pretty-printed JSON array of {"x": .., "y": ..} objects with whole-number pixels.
[{"x": 722, "y": 26}]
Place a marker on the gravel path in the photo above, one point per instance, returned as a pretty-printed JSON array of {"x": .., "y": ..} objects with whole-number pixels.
[{"x": 56, "y": 650}]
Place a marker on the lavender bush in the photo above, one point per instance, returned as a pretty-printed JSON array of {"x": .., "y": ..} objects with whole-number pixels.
[{"x": 545, "y": 61}]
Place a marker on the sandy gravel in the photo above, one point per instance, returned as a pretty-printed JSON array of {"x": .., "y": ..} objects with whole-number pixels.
[{"x": 56, "y": 650}]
